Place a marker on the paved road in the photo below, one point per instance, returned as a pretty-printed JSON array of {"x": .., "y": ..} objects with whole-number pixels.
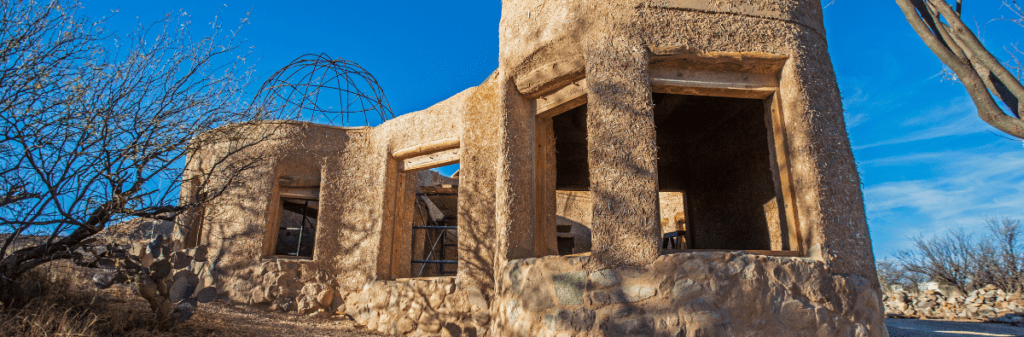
[{"x": 926, "y": 328}]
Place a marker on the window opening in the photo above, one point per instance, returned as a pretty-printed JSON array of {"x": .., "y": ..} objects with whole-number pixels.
[
  {"x": 435, "y": 229},
  {"x": 297, "y": 230},
  {"x": 572, "y": 169},
  {"x": 717, "y": 153},
  {"x": 572, "y": 181}
]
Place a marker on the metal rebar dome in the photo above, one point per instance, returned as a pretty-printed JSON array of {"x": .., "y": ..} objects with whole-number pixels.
[{"x": 320, "y": 89}]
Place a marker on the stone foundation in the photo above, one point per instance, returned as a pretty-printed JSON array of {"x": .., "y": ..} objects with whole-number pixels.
[
  {"x": 423, "y": 306},
  {"x": 685, "y": 294},
  {"x": 681, "y": 294}
]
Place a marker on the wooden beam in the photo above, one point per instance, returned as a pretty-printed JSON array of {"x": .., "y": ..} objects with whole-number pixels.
[
  {"x": 713, "y": 83},
  {"x": 550, "y": 76},
  {"x": 425, "y": 148},
  {"x": 300, "y": 193},
  {"x": 562, "y": 100},
  {"x": 755, "y": 252},
  {"x": 429, "y": 161},
  {"x": 440, "y": 190},
  {"x": 298, "y": 181}
]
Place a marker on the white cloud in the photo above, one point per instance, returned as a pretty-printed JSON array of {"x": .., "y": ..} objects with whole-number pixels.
[
  {"x": 963, "y": 189},
  {"x": 956, "y": 118},
  {"x": 854, "y": 120}
]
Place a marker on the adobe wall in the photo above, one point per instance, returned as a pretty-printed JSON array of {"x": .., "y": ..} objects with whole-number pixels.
[
  {"x": 360, "y": 191},
  {"x": 237, "y": 227},
  {"x": 545, "y": 45}
]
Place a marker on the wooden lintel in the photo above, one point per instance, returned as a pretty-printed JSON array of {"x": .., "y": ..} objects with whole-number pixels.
[
  {"x": 298, "y": 181},
  {"x": 713, "y": 83},
  {"x": 425, "y": 148},
  {"x": 429, "y": 161},
  {"x": 562, "y": 100},
  {"x": 300, "y": 193},
  {"x": 755, "y": 252},
  {"x": 443, "y": 189},
  {"x": 550, "y": 76}
]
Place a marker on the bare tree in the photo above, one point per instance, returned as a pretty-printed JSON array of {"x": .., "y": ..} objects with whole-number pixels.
[
  {"x": 982, "y": 74},
  {"x": 947, "y": 260},
  {"x": 965, "y": 263},
  {"x": 892, "y": 273},
  {"x": 97, "y": 126}
]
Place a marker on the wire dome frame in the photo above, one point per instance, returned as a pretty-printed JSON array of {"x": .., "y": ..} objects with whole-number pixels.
[{"x": 319, "y": 89}]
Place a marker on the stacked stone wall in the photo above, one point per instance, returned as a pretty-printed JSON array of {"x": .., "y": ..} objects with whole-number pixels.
[
  {"x": 283, "y": 285},
  {"x": 988, "y": 303},
  {"x": 422, "y": 306},
  {"x": 682, "y": 294},
  {"x": 685, "y": 294}
]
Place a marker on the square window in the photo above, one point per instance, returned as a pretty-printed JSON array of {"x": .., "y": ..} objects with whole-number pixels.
[{"x": 296, "y": 233}]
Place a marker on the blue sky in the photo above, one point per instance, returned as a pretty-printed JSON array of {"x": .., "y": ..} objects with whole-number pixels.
[{"x": 927, "y": 163}]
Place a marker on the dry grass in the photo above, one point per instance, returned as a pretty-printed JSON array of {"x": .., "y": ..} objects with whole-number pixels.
[{"x": 58, "y": 299}]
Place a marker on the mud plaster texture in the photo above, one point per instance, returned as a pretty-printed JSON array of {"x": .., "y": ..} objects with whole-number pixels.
[{"x": 508, "y": 208}]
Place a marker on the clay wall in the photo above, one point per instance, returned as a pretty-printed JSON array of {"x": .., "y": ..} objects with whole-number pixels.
[
  {"x": 547, "y": 44},
  {"x": 366, "y": 206},
  {"x": 613, "y": 50}
]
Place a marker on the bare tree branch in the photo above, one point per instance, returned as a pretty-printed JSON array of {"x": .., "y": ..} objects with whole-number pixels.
[
  {"x": 95, "y": 132},
  {"x": 941, "y": 29}
]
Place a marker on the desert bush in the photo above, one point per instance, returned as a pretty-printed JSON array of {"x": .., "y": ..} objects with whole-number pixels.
[
  {"x": 964, "y": 261},
  {"x": 892, "y": 273},
  {"x": 58, "y": 300}
]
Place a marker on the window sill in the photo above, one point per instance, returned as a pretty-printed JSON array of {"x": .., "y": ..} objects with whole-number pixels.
[
  {"x": 753, "y": 252},
  {"x": 288, "y": 257}
]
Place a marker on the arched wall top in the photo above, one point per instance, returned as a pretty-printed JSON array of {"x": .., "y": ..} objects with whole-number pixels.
[{"x": 803, "y": 12}]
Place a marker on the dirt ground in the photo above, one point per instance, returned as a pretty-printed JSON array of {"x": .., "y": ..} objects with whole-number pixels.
[
  {"x": 219, "y": 318},
  {"x": 222, "y": 318}
]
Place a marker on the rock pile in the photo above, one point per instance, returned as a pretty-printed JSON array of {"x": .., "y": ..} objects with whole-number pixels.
[{"x": 988, "y": 303}]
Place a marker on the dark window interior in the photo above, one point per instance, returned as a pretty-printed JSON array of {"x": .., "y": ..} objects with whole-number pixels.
[
  {"x": 297, "y": 231},
  {"x": 573, "y": 170},
  {"x": 716, "y": 150}
]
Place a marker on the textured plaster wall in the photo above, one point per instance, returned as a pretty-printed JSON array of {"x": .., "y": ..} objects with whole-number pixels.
[
  {"x": 545, "y": 44},
  {"x": 542, "y": 43},
  {"x": 358, "y": 183},
  {"x": 829, "y": 200}
]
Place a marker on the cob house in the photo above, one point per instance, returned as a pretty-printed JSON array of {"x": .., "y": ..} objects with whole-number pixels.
[{"x": 641, "y": 167}]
